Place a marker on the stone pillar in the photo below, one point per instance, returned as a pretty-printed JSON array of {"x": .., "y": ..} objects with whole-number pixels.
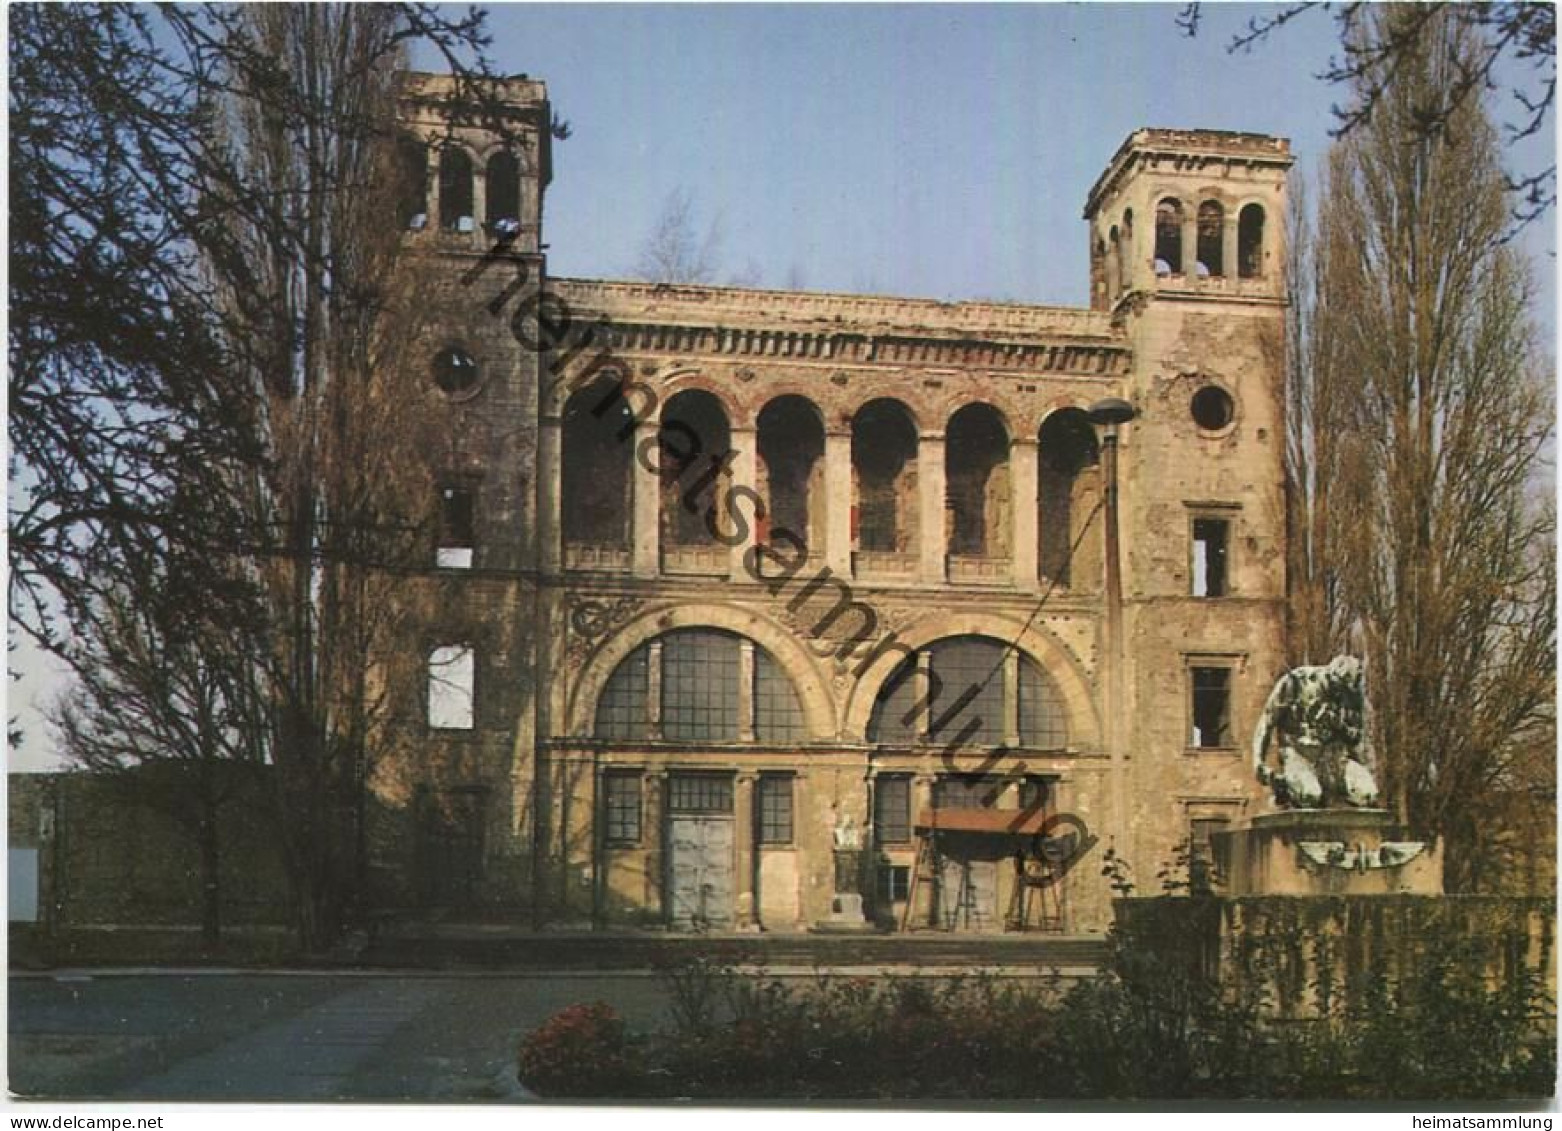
[
  {"x": 923, "y": 703},
  {"x": 1011, "y": 699},
  {"x": 745, "y": 473},
  {"x": 932, "y": 503},
  {"x": 479, "y": 198},
  {"x": 1190, "y": 239},
  {"x": 838, "y": 502},
  {"x": 550, "y": 485},
  {"x": 653, "y": 690},
  {"x": 745, "y": 690},
  {"x": 645, "y": 519},
  {"x": 1228, "y": 247},
  {"x": 1023, "y": 457},
  {"x": 921, "y": 915},
  {"x": 746, "y": 908}
]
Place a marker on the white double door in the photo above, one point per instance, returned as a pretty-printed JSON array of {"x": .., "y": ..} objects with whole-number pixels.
[{"x": 700, "y": 871}]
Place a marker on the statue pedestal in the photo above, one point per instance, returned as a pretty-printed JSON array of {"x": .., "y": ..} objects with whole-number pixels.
[
  {"x": 1326, "y": 852},
  {"x": 846, "y": 914}
]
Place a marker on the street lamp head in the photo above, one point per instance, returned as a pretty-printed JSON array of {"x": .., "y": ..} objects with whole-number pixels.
[{"x": 1111, "y": 411}]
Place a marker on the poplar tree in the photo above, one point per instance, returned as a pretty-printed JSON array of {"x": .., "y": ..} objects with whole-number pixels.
[{"x": 1419, "y": 432}]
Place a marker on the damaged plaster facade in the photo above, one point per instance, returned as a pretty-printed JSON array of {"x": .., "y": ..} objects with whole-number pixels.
[{"x": 638, "y": 716}]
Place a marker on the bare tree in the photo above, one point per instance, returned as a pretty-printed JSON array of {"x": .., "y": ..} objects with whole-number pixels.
[
  {"x": 1420, "y": 419},
  {"x": 676, "y": 251},
  {"x": 208, "y": 306},
  {"x": 322, "y": 325},
  {"x": 1511, "y": 47}
]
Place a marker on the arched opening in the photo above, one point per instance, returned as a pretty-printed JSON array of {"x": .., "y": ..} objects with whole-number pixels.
[
  {"x": 1067, "y": 490},
  {"x": 1250, "y": 242},
  {"x": 791, "y": 469},
  {"x": 693, "y": 444},
  {"x": 411, "y": 182},
  {"x": 1100, "y": 274},
  {"x": 1168, "y": 237},
  {"x": 1212, "y": 238},
  {"x": 1114, "y": 268},
  {"x": 455, "y": 187},
  {"x": 596, "y": 484},
  {"x": 503, "y": 199},
  {"x": 884, "y": 474},
  {"x": 1125, "y": 250},
  {"x": 973, "y": 686},
  {"x": 977, "y": 479}
]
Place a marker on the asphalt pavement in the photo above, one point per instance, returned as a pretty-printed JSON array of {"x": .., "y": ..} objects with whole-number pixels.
[{"x": 296, "y": 1037}]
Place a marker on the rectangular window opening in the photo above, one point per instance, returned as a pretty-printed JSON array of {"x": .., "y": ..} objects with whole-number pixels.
[
  {"x": 892, "y": 809},
  {"x": 452, "y": 676},
  {"x": 1211, "y": 537},
  {"x": 621, "y": 805},
  {"x": 457, "y": 529},
  {"x": 1211, "y": 708},
  {"x": 894, "y": 884},
  {"x": 775, "y": 809}
]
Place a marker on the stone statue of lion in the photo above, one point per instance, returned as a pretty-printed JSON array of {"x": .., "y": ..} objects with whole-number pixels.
[{"x": 1317, "y": 716}]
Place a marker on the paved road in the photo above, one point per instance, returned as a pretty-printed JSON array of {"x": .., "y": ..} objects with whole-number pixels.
[{"x": 292, "y": 1037}]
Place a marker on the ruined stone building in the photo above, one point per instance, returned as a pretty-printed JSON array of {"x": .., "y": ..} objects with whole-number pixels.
[{"x": 747, "y": 589}]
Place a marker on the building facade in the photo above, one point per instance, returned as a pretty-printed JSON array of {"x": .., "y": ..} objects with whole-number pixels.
[{"x": 751, "y": 598}]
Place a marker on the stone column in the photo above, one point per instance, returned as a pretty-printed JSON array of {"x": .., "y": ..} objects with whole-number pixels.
[
  {"x": 1228, "y": 246},
  {"x": 645, "y": 520},
  {"x": 1011, "y": 699},
  {"x": 923, "y": 703},
  {"x": 550, "y": 485},
  {"x": 745, "y": 473},
  {"x": 1190, "y": 240},
  {"x": 930, "y": 477},
  {"x": 1023, "y": 465},
  {"x": 745, "y": 690},
  {"x": 838, "y": 503},
  {"x": 747, "y": 905},
  {"x": 479, "y": 197},
  {"x": 921, "y": 915},
  {"x": 653, "y": 689}
]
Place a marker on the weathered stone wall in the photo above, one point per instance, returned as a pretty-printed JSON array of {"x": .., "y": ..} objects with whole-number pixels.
[
  {"x": 1310, "y": 953},
  {"x": 108, "y": 857}
]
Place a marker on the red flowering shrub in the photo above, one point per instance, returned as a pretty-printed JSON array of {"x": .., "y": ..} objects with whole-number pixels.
[{"x": 579, "y": 1051}]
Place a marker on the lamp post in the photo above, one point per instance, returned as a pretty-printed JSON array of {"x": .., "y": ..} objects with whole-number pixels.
[{"x": 1108, "y": 414}]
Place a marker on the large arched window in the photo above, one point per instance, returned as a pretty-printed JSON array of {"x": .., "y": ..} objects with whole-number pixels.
[
  {"x": 961, "y": 691},
  {"x": 1067, "y": 488},
  {"x": 708, "y": 692},
  {"x": 1250, "y": 242},
  {"x": 597, "y": 442},
  {"x": 1168, "y": 237},
  {"x": 455, "y": 187},
  {"x": 791, "y": 458},
  {"x": 1212, "y": 238},
  {"x": 884, "y": 474},
  {"x": 503, "y": 193},
  {"x": 976, "y": 460}
]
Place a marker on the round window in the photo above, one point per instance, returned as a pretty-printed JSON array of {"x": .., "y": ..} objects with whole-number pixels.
[
  {"x": 1212, "y": 408},
  {"x": 455, "y": 370}
]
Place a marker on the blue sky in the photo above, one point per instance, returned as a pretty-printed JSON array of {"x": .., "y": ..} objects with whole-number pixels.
[
  {"x": 935, "y": 150},
  {"x": 929, "y": 150}
]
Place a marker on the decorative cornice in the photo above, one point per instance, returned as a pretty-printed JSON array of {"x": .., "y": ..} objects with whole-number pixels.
[{"x": 848, "y": 329}]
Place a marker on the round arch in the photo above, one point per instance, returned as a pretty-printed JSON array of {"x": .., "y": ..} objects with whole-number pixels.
[
  {"x": 801, "y": 667},
  {"x": 1036, "y": 642}
]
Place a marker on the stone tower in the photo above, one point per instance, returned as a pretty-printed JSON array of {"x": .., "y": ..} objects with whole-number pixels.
[{"x": 1188, "y": 256}]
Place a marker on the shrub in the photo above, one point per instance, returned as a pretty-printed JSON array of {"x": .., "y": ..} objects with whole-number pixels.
[{"x": 581, "y": 1051}]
